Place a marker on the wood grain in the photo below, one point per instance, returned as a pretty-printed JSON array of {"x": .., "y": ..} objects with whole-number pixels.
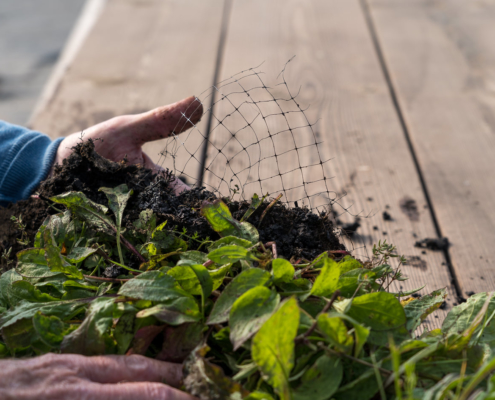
[
  {"x": 340, "y": 77},
  {"x": 441, "y": 60},
  {"x": 139, "y": 55}
]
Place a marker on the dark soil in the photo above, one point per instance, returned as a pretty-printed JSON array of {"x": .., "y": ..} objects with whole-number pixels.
[
  {"x": 298, "y": 232},
  {"x": 433, "y": 243}
]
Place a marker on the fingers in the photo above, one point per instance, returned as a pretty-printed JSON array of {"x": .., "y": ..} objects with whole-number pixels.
[
  {"x": 135, "y": 368},
  {"x": 177, "y": 184},
  {"x": 162, "y": 121},
  {"x": 133, "y": 391}
]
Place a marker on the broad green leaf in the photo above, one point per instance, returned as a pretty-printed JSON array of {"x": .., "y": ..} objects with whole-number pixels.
[
  {"x": 6, "y": 281},
  {"x": 51, "y": 330},
  {"x": 62, "y": 309},
  {"x": 57, "y": 264},
  {"x": 327, "y": 281},
  {"x": 19, "y": 335},
  {"x": 231, "y": 254},
  {"x": 380, "y": 311},
  {"x": 336, "y": 332},
  {"x": 462, "y": 317},
  {"x": 80, "y": 285},
  {"x": 240, "y": 284},
  {"x": 191, "y": 281},
  {"x": 31, "y": 263},
  {"x": 282, "y": 270},
  {"x": 23, "y": 290},
  {"x": 418, "y": 309},
  {"x": 87, "y": 210},
  {"x": 348, "y": 264},
  {"x": 272, "y": 347},
  {"x": 89, "y": 338},
  {"x": 255, "y": 203},
  {"x": 125, "y": 329},
  {"x": 174, "y": 312},
  {"x": 229, "y": 241},
  {"x": 321, "y": 380},
  {"x": 218, "y": 275},
  {"x": 249, "y": 313},
  {"x": 350, "y": 281},
  {"x": 79, "y": 254},
  {"x": 117, "y": 200},
  {"x": 300, "y": 287},
  {"x": 146, "y": 221},
  {"x": 192, "y": 257},
  {"x": 219, "y": 217},
  {"x": 152, "y": 285}
]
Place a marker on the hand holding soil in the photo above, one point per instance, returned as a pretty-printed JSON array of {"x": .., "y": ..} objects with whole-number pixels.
[
  {"x": 110, "y": 377},
  {"x": 122, "y": 137}
]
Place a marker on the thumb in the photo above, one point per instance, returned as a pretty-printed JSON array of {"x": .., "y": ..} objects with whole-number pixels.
[{"x": 162, "y": 121}]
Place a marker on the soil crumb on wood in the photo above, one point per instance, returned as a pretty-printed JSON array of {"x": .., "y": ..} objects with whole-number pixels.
[
  {"x": 433, "y": 244},
  {"x": 410, "y": 208},
  {"x": 298, "y": 232}
]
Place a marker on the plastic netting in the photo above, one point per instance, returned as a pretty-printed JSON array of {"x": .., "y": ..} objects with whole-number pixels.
[{"x": 256, "y": 139}]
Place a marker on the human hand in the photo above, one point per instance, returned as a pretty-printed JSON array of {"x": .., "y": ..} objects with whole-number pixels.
[
  {"x": 75, "y": 377},
  {"x": 123, "y": 136}
]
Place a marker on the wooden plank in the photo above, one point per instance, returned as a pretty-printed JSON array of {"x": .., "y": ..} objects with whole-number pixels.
[
  {"x": 341, "y": 79},
  {"x": 139, "y": 55},
  {"x": 441, "y": 60}
]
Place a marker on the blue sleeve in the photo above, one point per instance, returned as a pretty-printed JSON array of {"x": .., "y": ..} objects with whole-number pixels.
[{"x": 26, "y": 158}]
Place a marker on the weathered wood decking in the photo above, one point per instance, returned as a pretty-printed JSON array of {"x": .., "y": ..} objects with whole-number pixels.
[{"x": 405, "y": 94}]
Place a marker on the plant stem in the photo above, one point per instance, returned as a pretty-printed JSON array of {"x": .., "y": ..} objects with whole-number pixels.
[
  {"x": 268, "y": 208},
  {"x": 303, "y": 336},
  {"x": 106, "y": 279},
  {"x": 274, "y": 248}
]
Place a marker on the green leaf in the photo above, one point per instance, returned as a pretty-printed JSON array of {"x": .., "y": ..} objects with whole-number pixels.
[
  {"x": 219, "y": 217},
  {"x": 229, "y": 241},
  {"x": 327, "y": 281},
  {"x": 79, "y": 254},
  {"x": 194, "y": 279},
  {"x": 62, "y": 309},
  {"x": 282, "y": 270},
  {"x": 231, "y": 254},
  {"x": 31, "y": 263},
  {"x": 174, "y": 312},
  {"x": 125, "y": 329},
  {"x": 336, "y": 332},
  {"x": 257, "y": 395},
  {"x": 255, "y": 203},
  {"x": 192, "y": 257},
  {"x": 249, "y": 313},
  {"x": 6, "y": 281},
  {"x": 240, "y": 284},
  {"x": 117, "y": 200},
  {"x": 218, "y": 275},
  {"x": 80, "y": 285},
  {"x": 321, "y": 380},
  {"x": 38, "y": 239},
  {"x": 89, "y": 338},
  {"x": 51, "y": 330},
  {"x": 273, "y": 347},
  {"x": 19, "y": 335},
  {"x": 379, "y": 311},
  {"x": 348, "y": 264},
  {"x": 87, "y": 210},
  {"x": 57, "y": 264},
  {"x": 417, "y": 310},
  {"x": 461, "y": 318},
  {"x": 152, "y": 285},
  {"x": 23, "y": 290}
]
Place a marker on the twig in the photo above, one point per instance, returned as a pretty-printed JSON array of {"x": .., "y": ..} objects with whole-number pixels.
[
  {"x": 208, "y": 263},
  {"x": 269, "y": 206},
  {"x": 274, "y": 248},
  {"x": 132, "y": 249},
  {"x": 325, "y": 309},
  {"x": 96, "y": 278}
]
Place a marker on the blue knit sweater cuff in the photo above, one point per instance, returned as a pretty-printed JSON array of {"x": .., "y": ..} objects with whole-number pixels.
[{"x": 26, "y": 158}]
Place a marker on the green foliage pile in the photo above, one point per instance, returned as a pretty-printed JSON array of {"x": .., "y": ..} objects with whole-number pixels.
[{"x": 247, "y": 325}]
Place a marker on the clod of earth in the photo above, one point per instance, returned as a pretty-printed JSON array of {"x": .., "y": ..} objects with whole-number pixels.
[{"x": 433, "y": 243}]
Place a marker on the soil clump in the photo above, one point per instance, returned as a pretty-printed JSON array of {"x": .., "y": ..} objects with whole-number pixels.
[{"x": 298, "y": 232}]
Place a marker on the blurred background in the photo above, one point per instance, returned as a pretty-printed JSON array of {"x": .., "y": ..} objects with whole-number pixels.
[
  {"x": 32, "y": 36},
  {"x": 401, "y": 92}
]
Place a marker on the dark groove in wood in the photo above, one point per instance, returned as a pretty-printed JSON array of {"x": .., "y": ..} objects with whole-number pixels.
[
  {"x": 405, "y": 130},
  {"x": 227, "y": 7}
]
